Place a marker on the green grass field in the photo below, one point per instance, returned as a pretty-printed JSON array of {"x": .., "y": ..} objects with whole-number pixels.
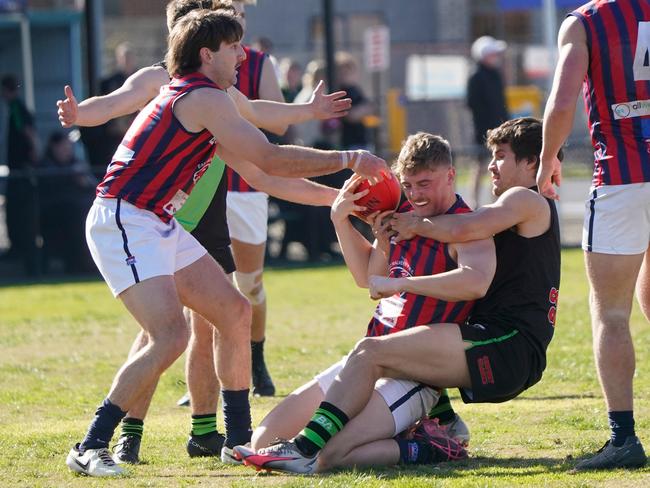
[{"x": 60, "y": 345}]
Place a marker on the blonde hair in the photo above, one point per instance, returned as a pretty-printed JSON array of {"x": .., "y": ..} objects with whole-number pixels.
[{"x": 423, "y": 151}]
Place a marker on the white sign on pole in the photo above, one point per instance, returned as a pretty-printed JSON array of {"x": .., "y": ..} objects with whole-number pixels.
[{"x": 377, "y": 48}]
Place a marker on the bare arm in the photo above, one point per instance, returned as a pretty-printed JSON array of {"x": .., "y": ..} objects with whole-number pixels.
[
  {"x": 356, "y": 249},
  {"x": 470, "y": 281},
  {"x": 135, "y": 93},
  {"x": 297, "y": 190},
  {"x": 214, "y": 110},
  {"x": 560, "y": 108},
  {"x": 276, "y": 117},
  {"x": 518, "y": 207}
]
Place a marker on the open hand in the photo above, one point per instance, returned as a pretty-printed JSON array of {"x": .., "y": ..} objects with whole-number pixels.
[
  {"x": 344, "y": 203},
  {"x": 331, "y": 105}
]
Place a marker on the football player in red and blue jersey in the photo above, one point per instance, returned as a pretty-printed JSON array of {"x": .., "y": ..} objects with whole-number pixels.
[
  {"x": 427, "y": 176},
  {"x": 604, "y": 49},
  {"x": 152, "y": 263}
]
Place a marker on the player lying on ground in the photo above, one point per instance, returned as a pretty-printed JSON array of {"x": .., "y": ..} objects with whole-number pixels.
[
  {"x": 204, "y": 215},
  {"x": 425, "y": 170},
  {"x": 153, "y": 264},
  {"x": 498, "y": 353}
]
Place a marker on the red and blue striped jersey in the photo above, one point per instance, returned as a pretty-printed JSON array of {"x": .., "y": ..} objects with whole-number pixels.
[
  {"x": 158, "y": 162},
  {"x": 617, "y": 89},
  {"x": 418, "y": 257},
  {"x": 248, "y": 82}
]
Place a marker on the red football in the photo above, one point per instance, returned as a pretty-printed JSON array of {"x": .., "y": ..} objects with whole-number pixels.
[{"x": 383, "y": 196}]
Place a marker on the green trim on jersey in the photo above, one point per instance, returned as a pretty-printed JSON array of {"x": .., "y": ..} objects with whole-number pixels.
[
  {"x": 492, "y": 341},
  {"x": 192, "y": 211}
]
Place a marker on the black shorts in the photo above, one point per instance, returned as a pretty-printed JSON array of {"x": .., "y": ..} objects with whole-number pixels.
[{"x": 502, "y": 363}]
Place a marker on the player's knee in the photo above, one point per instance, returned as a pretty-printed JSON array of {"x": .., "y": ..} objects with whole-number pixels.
[
  {"x": 240, "y": 317},
  {"x": 251, "y": 285},
  {"x": 172, "y": 343},
  {"x": 367, "y": 350}
]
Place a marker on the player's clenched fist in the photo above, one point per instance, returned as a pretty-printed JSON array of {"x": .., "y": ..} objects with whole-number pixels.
[
  {"x": 382, "y": 287},
  {"x": 404, "y": 225},
  {"x": 68, "y": 108}
]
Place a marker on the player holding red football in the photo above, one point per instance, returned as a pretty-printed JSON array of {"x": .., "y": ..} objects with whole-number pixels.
[
  {"x": 427, "y": 176},
  {"x": 500, "y": 350}
]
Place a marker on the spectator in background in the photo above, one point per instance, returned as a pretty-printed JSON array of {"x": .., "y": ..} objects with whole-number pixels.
[
  {"x": 353, "y": 131},
  {"x": 67, "y": 187},
  {"x": 22, "y": 149},
  {"x": 486, "y": 100},
  {"x": 290, "y": 79},
  {"x": 101, "y": 141}
]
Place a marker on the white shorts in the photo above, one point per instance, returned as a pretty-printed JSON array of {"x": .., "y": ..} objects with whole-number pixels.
[
  {"x": 408, "y": 401},
  {"x": 248, "y": 214},
  {"x": 129, "y": 244},
  {"x": 617, "y": 219}
]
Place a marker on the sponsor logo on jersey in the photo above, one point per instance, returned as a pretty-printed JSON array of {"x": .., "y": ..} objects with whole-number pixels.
[
  {"x": 177, "y": 201},
  {"x": 200, "y": 171},
  {"x": 637, "y": 108}
]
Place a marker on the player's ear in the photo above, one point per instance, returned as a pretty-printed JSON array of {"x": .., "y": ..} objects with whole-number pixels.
[
  {"x": 532, "y": 162},
  {"x": 205, "y": 54},
  {"x": 451, "y": 175}
]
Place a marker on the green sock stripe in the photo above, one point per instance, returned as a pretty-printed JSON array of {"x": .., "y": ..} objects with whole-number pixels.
[
  {"x": 205, "y": 425},
  {"x": 313, "y": 437},
  {"x": 131, "y": 429},
  {"x": 331, "y": 417},
  {"x": 491, "y": 341}
]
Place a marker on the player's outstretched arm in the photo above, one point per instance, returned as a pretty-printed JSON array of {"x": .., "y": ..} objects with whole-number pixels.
[
  {"x": 134, "y": 94},
  {"x": 296, "y": 190},
  {"x": 561, "y": 105},
  {"x": 215, "y": 111},
  {"x": 470, "y": 281},
  {"x": 517, "y": 207},
  {"x": 276, "y": 117}
]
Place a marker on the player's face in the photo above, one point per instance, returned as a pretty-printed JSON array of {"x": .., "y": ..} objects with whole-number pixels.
[
  {"x": 225, "y": 62},
  {"x": 505, "y": 171},
  {"x": 428, "y": 190}
]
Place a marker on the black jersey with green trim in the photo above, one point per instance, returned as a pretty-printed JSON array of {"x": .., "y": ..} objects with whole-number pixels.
[{"x": 524, "y": 292}]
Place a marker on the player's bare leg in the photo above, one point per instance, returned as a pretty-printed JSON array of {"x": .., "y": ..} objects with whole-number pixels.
[
  {"x": 206, "y": 289},
  {"x": 350, "y": 447},
  {"x": 433, "y": 355},
  {"x": 127, "y": 447},
  {"x": 613, "y": 279},
  {"x": 203, "y": 390},
  {"x": 643, "y": 286},
  {"x": 249, "y": 259},
  {"x": 289, "y": 416}
]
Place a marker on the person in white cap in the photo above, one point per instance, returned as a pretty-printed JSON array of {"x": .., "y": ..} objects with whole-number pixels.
[{"x": 485, "y": 99}]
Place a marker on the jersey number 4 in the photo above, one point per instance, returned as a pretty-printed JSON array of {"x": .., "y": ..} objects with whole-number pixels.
[{"x": 642, "y": 53}]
